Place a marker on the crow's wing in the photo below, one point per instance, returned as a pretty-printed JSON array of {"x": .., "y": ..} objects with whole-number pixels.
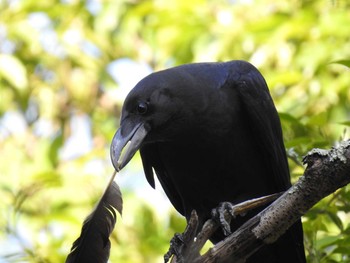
[
  {"x": 256, "y": 102},
  {"x": 262, "y": 118}
]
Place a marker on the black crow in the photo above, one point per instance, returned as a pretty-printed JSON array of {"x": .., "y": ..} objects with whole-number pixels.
[{"x": 211, "y": 133}]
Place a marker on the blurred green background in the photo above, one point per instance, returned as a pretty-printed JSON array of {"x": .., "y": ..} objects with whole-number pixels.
[{"x": 66, "y": 66}]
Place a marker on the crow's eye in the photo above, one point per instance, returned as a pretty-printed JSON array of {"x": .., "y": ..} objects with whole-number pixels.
[{"x": 142, "y": 108}]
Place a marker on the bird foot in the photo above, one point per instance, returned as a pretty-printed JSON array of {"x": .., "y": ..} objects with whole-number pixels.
[
  {"x": 223, "y": 214},
  {"x": 183, "y": 246},
  {"x": 176, "y": 244},
  {"x": 226, "y": 211}
]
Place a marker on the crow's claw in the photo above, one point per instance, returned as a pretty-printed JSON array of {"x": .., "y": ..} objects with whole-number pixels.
[
  {"x": 176, "y": 244},
  {"x": 223, "y": 214}
]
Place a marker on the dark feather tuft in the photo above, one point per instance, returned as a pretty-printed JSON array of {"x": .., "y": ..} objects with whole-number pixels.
[{"x": 93, "y": 245}]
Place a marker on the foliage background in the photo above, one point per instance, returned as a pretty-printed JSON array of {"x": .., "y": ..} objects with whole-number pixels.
[{"x": 65, "y": 67}]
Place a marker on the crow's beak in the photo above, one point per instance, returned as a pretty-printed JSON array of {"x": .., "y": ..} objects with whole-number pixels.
[{"x": 128, "y": 139}]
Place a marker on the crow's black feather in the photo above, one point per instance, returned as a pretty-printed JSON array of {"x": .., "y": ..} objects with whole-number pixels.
[{"x": 93, "y": 244}]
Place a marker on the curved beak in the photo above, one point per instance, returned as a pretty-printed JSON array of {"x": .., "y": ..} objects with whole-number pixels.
[{"x": 125, "y": 144}]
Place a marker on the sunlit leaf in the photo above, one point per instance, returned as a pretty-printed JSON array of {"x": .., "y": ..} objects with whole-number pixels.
[
  {"x": 13, "y": 70},
  {"x": 342, "y": 62},
  {"x": 336, "y": 220},
  {"x": 346, "y": 123},
  {"x": 326, "y": 241}
]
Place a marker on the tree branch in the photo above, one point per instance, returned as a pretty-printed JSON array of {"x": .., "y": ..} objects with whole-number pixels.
[{"x": 326, "y": 172}]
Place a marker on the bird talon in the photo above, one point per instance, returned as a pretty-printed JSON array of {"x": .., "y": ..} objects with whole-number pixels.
[
  {"x": 223, "y": 214},
  {"x": 175, "y": 247}
]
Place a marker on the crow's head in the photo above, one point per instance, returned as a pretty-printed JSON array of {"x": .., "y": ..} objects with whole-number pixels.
[
  {"x": 153, "y": 111},
  {"x": 170, "y": 105}
]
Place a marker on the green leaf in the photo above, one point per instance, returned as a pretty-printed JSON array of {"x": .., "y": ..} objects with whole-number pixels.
[
  {"x": 326, "y": 241},
  {"x": 289, "y": 118},
  {"x": 346, "y": 123},
  {"x": 12, "y": 69},
  {"x": 344, "y": 62},
  {"x": 334, "y": 217}
]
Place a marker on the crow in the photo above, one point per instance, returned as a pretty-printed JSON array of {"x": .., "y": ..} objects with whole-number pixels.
[{"x": 211, "y": 134}]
